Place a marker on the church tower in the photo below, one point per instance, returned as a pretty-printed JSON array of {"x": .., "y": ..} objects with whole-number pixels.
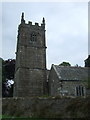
[{"x": 30, "y": 71}]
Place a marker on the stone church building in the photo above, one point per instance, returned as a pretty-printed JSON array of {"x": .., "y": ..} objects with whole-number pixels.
[
  {"x": 68, "y": 81},
  {"x": 31, "y": 75}
]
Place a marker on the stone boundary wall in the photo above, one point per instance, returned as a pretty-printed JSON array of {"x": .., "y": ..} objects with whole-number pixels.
[{"x": 45, "y": 107}]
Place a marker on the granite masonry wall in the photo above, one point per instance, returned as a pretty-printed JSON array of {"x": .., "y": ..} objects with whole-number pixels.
[{"x": 51, "y": 107}]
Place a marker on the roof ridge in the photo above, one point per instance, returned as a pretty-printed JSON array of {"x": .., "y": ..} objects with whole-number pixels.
[
  {"x": 56, "y": 71},
  {"x": 69, "y": 66}
]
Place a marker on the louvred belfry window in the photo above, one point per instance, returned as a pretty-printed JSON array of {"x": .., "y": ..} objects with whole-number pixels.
[{"x": 33, "y": 37}]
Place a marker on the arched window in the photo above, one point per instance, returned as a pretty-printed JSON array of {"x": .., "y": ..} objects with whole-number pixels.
[
  {"x": 33, "y": 37},
  {"x": 80, "y": 91}
]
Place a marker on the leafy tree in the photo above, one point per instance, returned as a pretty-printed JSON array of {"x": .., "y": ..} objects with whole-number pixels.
[
  {"x": 65, "y": 64},
  {"x": 8, "y": 69},
  {"x": 87, "y": 62},
  {"x": 3, "y": 71}
]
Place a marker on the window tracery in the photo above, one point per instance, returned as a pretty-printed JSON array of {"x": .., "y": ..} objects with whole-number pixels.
[{"x": 33, "y": 37}]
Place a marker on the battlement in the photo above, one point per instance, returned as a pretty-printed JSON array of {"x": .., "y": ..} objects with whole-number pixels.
[
  {"x": 36, "y": 24},
  {"x": 30, "y": 23}
]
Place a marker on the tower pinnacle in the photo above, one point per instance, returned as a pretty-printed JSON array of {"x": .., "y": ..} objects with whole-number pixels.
[
  {"x": 22, "y": 15},
  {"x": 22, "y": 18},
  {"x": 43, "y": 21}
]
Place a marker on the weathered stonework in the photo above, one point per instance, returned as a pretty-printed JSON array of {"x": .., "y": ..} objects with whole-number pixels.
[
  {"x": 68, "y": 81},
  {"x": 30, "y": 73},
  {"x": 30, "y": 107}
]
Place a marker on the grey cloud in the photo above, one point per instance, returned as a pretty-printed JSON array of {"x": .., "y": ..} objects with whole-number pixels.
[{"x": 66, "y": 29}]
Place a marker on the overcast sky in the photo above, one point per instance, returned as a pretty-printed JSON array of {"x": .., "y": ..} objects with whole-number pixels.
[{"x": 66, "y": 29}]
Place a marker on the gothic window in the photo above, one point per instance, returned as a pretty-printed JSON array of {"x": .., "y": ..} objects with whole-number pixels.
[
  {"x": 33, "y": 37},
  {"x": 80, "y": 91}
]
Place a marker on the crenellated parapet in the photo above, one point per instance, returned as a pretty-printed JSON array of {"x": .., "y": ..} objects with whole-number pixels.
[{"x": 29, "y": 24}]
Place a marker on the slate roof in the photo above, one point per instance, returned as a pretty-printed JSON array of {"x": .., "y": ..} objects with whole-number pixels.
[{"x": 71, "y": 73}]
